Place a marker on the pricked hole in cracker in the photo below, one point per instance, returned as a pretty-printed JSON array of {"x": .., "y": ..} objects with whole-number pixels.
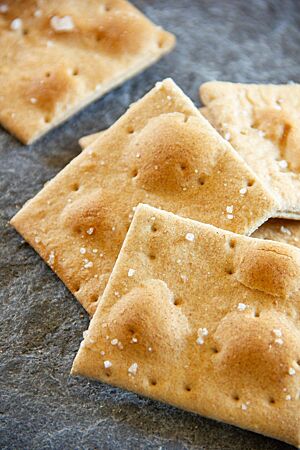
[
  {"x": 298, "y": 362},
  {"x": 178, "y": 301},
  {"x": 153, "y": 382},
  {"x": 131, "y": 330},
  {"x": 161, "y": 42},
  {"x": 236, "y": 397},
  {"x": 229, "y": 270},
  {"x": 25, "y": 32},
  {"x": 201, "y": 181},
  {"x": 94, "y": 298},
  {"x": 47, "y": 74},
  {"x": 47, "y": 119},
  {"x": 130, "y": 129},
  {"x": 256, "y": 313},
  {"x": 250, "y": 183},
  {"x": 76, "y": 289},
  {"x": 152, "y": 256},
  {"x": 214, "y": 350},
  {"x": 271, "y": 401},
  {"x": 186, "y": 118},
  {"x": 183, "y": 167},
  {"x": 154, "y": 228},
  {"x": 188, "y": 388},
  {"x": 232, "y": 243},
  {"x": 75, "y": 187},
  {"x": 134, "y": 173},
  {"x": 75, "y": 72},
  {"x": 107, "y": 8}
]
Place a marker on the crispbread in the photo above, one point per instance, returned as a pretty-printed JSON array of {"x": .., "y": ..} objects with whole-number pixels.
[
  {"x": 161, "y": 151},
  {"x": 262, "y": 124},
  {"x": 56, "y": 57},
  {"x": 203, "y": 319},
  {"x": 87, "y": 140},
  {"x": 282, "y": 230}
]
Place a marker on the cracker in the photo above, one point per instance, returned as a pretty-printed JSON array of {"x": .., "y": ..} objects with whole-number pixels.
[
  {"x": 203, "y": 319},
  {"x": 262, "y": 124},
  {"x": 161, "y": 151},
  {"x": 58, "y": 56},
  {"x": 282, "y": 230},
  {"x": 87, "y": 140}
]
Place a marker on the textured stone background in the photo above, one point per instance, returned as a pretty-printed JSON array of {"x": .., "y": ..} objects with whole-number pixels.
[{"x": 41, "y": 325}]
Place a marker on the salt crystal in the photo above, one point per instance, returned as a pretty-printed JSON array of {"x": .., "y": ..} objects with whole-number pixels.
[
  {"x": 3, "y": 8},
  {"x": 229, "y": 209},
  {"x": 285, "y": 230},
  {"x": 230, "y": 216},
  {"x": 82, "y": 250},
  {"x": 241, "y": 307},
  {"x": 37, "y": 13},
  {"x": 16, "y": 24},
  {"x": 244, "y": 406},
  {"x": 292, "y": 371},
  {"x": 288, "y": 397},
  {"x": 88, "y": 265},
  {"x": 277, "y": 332},
  {"x": 114, "y": 342},
  {"x": 279, "y": 341},
  {"x": 62, "y": 23},
  {"x": 37, "y": 239},
  {"x": 102, "y": 353},
  {"x": 107, "y": 364},
  {"x": 131, "y": 272},
  {"x": 190, "y": 237},
  {"x": 90, "y": 230},
  {"x": 283, "y": 164},
  {"x": 51, "y": 258},
  {"x": 134, "y": 340},
  {"x": 133, "y": 369}
]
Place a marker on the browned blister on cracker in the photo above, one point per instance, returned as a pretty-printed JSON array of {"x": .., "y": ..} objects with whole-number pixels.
[
  {"x": 161, "y": 151},
  {"x": 58, "y": 56},
  {"x": 262, "y": 124},
  {"x": 203, "y": 319}
]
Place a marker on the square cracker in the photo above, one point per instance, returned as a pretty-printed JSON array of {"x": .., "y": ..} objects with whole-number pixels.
[
  {"x": 161, "y": 151},
  {"x": 203, "y": 319},
  {"x": 58, "y": 56},
  {"x": 262, "y": 124}
]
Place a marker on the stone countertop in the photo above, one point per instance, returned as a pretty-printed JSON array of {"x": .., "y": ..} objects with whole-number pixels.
[{"x": 41, "y": 406}]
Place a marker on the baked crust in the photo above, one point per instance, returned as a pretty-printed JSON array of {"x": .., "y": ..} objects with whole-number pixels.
[{"x": 203, "y": 319}]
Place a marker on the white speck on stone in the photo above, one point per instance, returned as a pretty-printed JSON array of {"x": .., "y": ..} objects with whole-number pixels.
[
  {"x": 37, "y": 13},
  {"x": 82, "y": 250},
  {"x": 131, "y": 272},
  {"x": 230, "y": 216},
  {"x": 134, "y": 340},
  {"x": 62, "y": 23},
  {"x": 243, "y": 191},
  {"x": 16, "y": 24},
  {"x": 90, "y": 230},
  {"x": 51, "y": 258},
  {"x": 3, "y": 9},
  {"x": 227, "y": 136},
  {"x": 133, "y": 369},
  {"x": 107, "y": 364},
  {"x": 190, "y": 237},
  {"x": 277, "y": 332},
  {"x": 292, "y": 371},
  {"x": 283, "y": 164},
  {"x": 285, "y": 230},
  {"x": 241, "y": 307},
  {"x": 114, "y": 342}
]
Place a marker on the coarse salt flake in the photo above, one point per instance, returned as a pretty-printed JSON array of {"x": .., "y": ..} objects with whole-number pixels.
[
  {"x": 133, "y": 369},
  {"x": 51, "y": 258},
  {"x": 230, "y": 216},
  {"x": 229, "y": 209},
  {"x": 114, "y": 342},
  {"x": 134, "y": 340},
  {"x": 283, "y": 164},
  {"x": 279, "y": 341},
  {"x": 244, "y": 406},
  {"x": 37, "y": 239},
  {"x": 277, "y": 332},
  {"x": 241, "y": 307},
  {"x": 190, "y": 237},
  {"x": 62, "y": 23},
  {"x": 288, "y": 397},
  {"x": 131, "y": 272},
  {"x": 16, "y": 24},
  {"x": 82, "y": 250},
  {"x": 90, "y": 230},
  {"x": 88, "y": 265},
  {"x": 107, "y": 364},
  {"x": 243, "y": 191},
  {"x": 292, "y": 371}
]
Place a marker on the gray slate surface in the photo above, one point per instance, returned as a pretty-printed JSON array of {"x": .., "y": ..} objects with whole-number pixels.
[{"x": 41, "y": 406}]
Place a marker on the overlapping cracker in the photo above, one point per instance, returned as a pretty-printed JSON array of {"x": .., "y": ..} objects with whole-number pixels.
[
  {"x": 58, "y": 56},
  {"x": 282, "y": 230},
  {"x": 262, "y": 124},
  {"x": 161, "y": 151},
  {"x": 203, "y": 319}
]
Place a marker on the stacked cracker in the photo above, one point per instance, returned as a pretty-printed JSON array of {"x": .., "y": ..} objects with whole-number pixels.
[{"x": 197, "y": 316}]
